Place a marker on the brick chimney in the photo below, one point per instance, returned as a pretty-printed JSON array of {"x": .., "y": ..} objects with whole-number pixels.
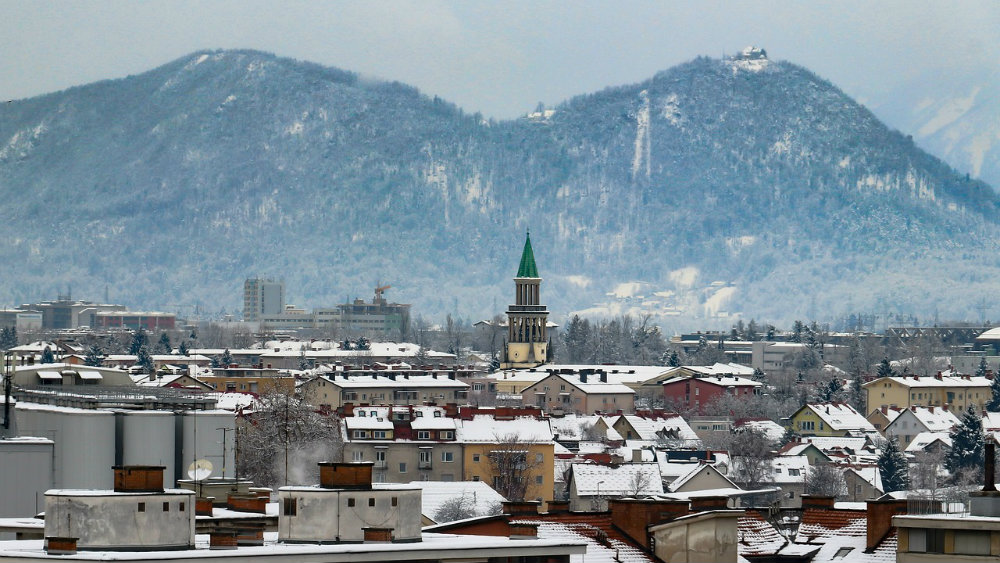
[
  {"x": 138, "y": 478},
  {"x": 880, "y": 513},
  {"x": 337, "y": 475},
  {"x": 378, "y": 535},
  {"x": 702, "y": 504},
  {"x": 521, "y": 508},
  {"x": 817, "y": 501},
  {"x": 60, "y": 546},
  {"x": 634, "y": 516}
]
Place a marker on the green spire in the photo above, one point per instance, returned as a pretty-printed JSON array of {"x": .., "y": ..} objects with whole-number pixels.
[{"x": 527, "y": 269}]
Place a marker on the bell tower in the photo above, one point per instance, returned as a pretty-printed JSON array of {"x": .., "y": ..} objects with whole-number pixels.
[{"x": 527, "y": 334}]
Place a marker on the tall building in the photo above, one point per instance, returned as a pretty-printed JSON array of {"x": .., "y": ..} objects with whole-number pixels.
[
  {"x": 527, "y": 335},
  {"x": 262, "y": 297}
]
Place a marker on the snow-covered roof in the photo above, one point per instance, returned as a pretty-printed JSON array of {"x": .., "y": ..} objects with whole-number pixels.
[
  {"x": 593, "y": 385},
  {"x": 377, "y": 350},
  {"x": 924, "y": 381},
  {"x": 623, "y": 374},
  {"x": 624, "y": 480},
  {"x": 367, "y": 423},
  {"x": 653, "y": 429},
  {"x": 600, "y": 547},
  {"x": 485, "y": 429},
  {"x": 694, "y": 472},
  {"x": 924, "y": 439},
  {"x": 232, "y": 401},
  {"x": 476, "y": 495},
  {"x": 790, "y": 469},
  {"x": 571, "y": 427},
  {"x": 840, "y": 416},
  {"x": 722, "y": 369},
  {"x": 415, "y": 381},
  {"x": 934, "y": 419},
  {"x": 828, "y": 444},
  {"x": 772, "y": 430},
  {"x": 871, "y": 474}
]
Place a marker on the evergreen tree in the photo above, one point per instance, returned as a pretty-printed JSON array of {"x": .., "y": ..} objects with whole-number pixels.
[
  {"x": 227, "y": 358},
  {"x": 674, "y": 360},
  {"x": 857, "y": 396},
  {"x": 363, "y": 344},
  {"x": 966, "y": 443},
  {"x": 138, "y": 341},
  {"x": 164, "y": 346},
  {"x": 983, "y": 367},
  {"x": 182, "y": 348},
  {"x": 759, "y": 375},
  {"x": 47, "y": 356},
  {"x": 303, "y": 362},
  {"x": 8, "y": 338},
  {"x": 885, "y": 369},
  {"x": 893, "y": 467},
  {"x": 830, "y": 391},
  {"x": 216, "y": 364},
  {"x": 994, "y": 403},
  {"x": 144, "y": 360},
  {"x": 95, "y": 356}
]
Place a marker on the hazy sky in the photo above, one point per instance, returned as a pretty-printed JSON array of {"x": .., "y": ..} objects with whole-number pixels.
[{"x": 499, "y": 58}]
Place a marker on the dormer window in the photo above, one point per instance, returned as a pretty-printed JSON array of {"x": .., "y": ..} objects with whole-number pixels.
[
  {"x": 361, "y": 414},
  {"x": 437, "y": 414},
  {"x": 420, "y": 414}
]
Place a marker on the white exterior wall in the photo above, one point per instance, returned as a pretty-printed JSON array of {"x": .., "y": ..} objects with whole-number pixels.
[
  {"x": 148, "y": 439},
  {"x": 84, "y": 443},
  {"x": 203, "y": 440},
  {"x": 26, "y": 472},
  {"x": 106, "y": 519},
  {"x": 324, "y": 515}
]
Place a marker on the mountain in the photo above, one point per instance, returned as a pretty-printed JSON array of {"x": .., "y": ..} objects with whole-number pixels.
[
  {"x": 952, "y": 112},
  {"x": 717, "y": 187}
]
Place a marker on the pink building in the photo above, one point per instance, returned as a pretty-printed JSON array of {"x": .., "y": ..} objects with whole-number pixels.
[{"x": 698, "y": 392}]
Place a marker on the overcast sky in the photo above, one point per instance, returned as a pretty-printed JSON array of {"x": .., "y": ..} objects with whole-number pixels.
[{"x": 499, "y": 58}]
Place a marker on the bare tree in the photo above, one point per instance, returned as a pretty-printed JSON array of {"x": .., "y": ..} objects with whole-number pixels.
[
  {"x": 514, "y": 468},
  {"x": 752, "y": 452},
  {"x": 639, "y": 482},
  {"x": 456, "y": 508},
  {"x": 825, "y": 479},
  {"x": 282, "y": 441}
]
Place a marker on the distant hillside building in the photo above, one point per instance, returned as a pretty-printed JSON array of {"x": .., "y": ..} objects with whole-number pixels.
[
  {"x": 65, "y": 313},
  {"x": 262, "y": 297},
  {"x": 150, "y": 321},
  {"x": 527, "y": 330}
]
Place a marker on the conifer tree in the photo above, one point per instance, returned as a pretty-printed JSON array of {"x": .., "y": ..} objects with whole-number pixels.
[
  {"x": 182, "y": 348},
  {"x": 144, "y": 360},
  {"x": 893, "y": 467},
  {"x": 95, "y": 356},
  {"x": 47, "y": 356},
  {"x": 138, "y": 341},
  {"x": 885, "y": 369},
  {"x": 983, "y": 367},
  {"x": 227, "y": 358},
  {"x": 966, "y": 443},
  {"x": 164, "y": 346},
  {"x": 993, "y": 405}
]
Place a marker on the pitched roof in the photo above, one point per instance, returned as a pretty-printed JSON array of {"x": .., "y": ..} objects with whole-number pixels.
[
  {"x": 757, "y": 537},
  {"x": 934, "y": 419},
  {"x": 617, "y": 481},
  {"x": 527, "y": 268},
  {"x": 840, "y": 416},
  {"x": 479, "y": 496}
]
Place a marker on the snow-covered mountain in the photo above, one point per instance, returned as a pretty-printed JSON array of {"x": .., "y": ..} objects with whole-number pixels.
[{"x": 717, "y": 187}]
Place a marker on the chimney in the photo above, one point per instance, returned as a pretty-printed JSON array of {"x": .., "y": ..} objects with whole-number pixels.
[
  {"x": 338, "y": 475},
  {"x": 989, "y": 476},
  {"x": 55, "y": 545},
  {"x": 378, "y": 535},
  {"x": 558, "y": 506},
  {"x": 633, "y": 516},
  {"x": 523, "y": 531},
  {"x": 521, "y": 508},
  {"x": 222, "y": 538},
  {"x": 604, "y": 376},
  {"x": 817, "y": 501},
  {"x": 583, "y": 377},
  {"x": 247, "y": 503},
  {"x": 138, "y": 478},
  {"x": 637, "y": 455},
  {"x": 203, "y": 506},
  {"x": 880, "y": 513},
  {"x": 885, "y": 409},
  {"x": 703, "y": 504}
]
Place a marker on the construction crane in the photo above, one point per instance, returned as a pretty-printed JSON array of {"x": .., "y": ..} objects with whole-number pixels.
[{"x": 379, "y": 290}]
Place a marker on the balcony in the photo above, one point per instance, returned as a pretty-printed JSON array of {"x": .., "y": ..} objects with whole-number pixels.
[
  {"x": 381, "y": 464},
  {"x": 422, "y": 464}
]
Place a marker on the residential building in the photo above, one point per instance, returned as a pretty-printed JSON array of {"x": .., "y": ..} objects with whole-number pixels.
[
  {"x": 700, "y": 393},
  {"x": 516, "y": 456},
  {"x": 335, "y": 390},
  {"x": 881, "y": 417},
  {"x": 249, "y": 380},
  {"x": 863, "y": 483},
  {"x": 262, "y": 297},
  {"x": 829, "y": 419},
  {"x": 591, "y": 486},
  {"x": 527, "y": 326},
  {"x": 915, "y": 420},
  {"x": 656, "y": 428},
  {"x": 956, "y": 392},
  {"x": 404, "y": 443},
  {"x": 151, "y": 321},
  {"x": 582, "y": 394}
]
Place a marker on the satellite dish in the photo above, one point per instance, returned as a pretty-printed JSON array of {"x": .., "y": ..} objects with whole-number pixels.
[{"x": 199, "y": 469}]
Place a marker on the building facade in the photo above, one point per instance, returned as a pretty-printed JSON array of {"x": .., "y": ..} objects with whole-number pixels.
[
  {"x": 527, "y": 330},
  {"x": 262, "y": 297}
]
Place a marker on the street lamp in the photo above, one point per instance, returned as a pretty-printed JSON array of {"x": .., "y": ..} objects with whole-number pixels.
[{"x": 599, "y": 505}]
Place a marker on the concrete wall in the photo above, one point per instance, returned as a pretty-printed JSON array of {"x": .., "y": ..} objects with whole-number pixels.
[
  {"x": 148, "y": 439},
  {"x": 202, "y": 439},
  {"x": 25, "y": 471},
  {"x": 104, "y": 519},
  {"x": 706, "y": 536},
  {"x": 326, "y": 515}
]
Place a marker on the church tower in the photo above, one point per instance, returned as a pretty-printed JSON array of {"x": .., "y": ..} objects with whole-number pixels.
[{"x": 527, "y": 335}]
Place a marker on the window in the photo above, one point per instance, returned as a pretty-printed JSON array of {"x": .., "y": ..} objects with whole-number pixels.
[
  {"x": 361, "y": 414},
  {"x": 166, "y": 507},
  {"x": 357, "y": 456},
  {"x": 289, "y": 507},
  {"x": 925, "y": 540},
  {"x": 425, "y": 459},
  {"x": 379, "y": 434},
  {"x": 395, "y": 501},
  {"x": 141, "y": 507},
  {"x": 538, "y": 479},
  {"x": 972, "y": 542},
  {"x": 402, "y": 467},
  {"x": 371, "y": 501},
  {"x": 447, "y": 435},
  {"x": 842, "y": 552},
  {"x": 437, "y": 414},
  {"x": 419, "y": 414},
  {"x": 539, "y": 458},
  {"x": 447, "y": 457},
  {"x": 360, "y": 434},
  {"x": 793, "y": 473},
  {"x": 475, "y": 458},
  {"x": 350, "y": 502},
  {"x": 475, "y": 477},
  {"x": 180, "y": 507},
  {"x": 423, "y": 435}
]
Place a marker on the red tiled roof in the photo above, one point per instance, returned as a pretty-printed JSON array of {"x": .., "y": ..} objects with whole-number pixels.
[
  {"x": 818, "y": 522},
  {"x": 757, "y": 537}
]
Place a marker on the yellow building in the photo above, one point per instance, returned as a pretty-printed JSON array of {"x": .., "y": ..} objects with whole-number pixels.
[
  {"x": 515, "y": 457},
  {"x": 251, "y": 380},
  {"x": 956, "y": 392},
  {"x": 829, "y": 419}
]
